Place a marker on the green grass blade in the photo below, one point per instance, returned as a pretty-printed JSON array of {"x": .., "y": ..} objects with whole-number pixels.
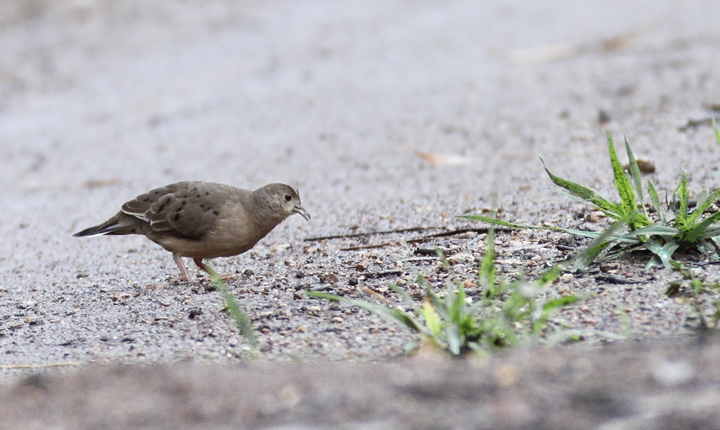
[
  {"x": 715, "y": 129},
  {"x": 549, "y": 276},
  {"x": 402, "y": 293},
  {"x": 326, "y": 296},
  {"x": 611, "y": 209},
  {"x": 495, "y": 221},
  {"x": 635, "y": 174},
  {"x": 655, "y": 199},
  {"x": 454, "y": 340},
  {"x": 683, "y": 194},
  {"x": 551, "y": 306},
  {"x": 583, "y": 233},
  {"x": 701, "y": 198},
  {"x": 437, "y": 302},
  {"x": 432, "y": 319},
  {"x": 702, "y": 206},
  {"x": 560, "y": 302},
  {"x": 625, "y": 190},
  {"x": 487, "y": 265},
  {"x": 651, "y": 230},
  {"x": 713, "y": 231},
  {"x": 596, "y": 246},
  {"x": 664, "y": 252},
  {"x": 458, "y": 302},
  {"x": 242, "y": 320},
  {"x": 696, "y": 231},
  {"x": 450, "y": 300},
  {"x": 390, "y": 314},
  {"x": 394, "y": 315}
]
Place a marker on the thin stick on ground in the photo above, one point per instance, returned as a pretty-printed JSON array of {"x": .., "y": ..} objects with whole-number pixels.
[
  {"x": 425, "y": 238},
  {"x": 370, "y": 233},
  {"x": 36, "y": 366}
]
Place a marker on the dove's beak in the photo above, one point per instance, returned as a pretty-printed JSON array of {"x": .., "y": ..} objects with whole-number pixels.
[{"x": 301, "y": 210}]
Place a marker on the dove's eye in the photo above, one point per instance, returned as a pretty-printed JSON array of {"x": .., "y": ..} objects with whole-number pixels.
[{"x": 288, "y": 197}]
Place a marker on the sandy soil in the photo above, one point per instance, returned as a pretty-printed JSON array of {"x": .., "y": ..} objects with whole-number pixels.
[{"x": 101, "y": 101}]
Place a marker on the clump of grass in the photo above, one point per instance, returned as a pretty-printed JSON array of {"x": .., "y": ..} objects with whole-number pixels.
[
  {"x": 242, "y": 320},
  {"x": 660, "y": 230},
  {"x": 500, "y": 316}
]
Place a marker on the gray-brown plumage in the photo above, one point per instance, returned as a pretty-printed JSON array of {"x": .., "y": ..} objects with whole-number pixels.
[{"x": 203, "y": 219}]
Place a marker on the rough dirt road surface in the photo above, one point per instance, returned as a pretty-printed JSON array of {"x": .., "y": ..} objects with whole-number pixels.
[{"x": 386, "y": 115}]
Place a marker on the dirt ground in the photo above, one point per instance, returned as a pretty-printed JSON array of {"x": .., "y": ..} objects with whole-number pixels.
[{"x": 386, "y": 115}]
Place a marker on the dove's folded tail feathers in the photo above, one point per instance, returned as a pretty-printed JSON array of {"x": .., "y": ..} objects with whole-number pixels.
[
  {"x": 119, "y": 224},
  {"x": 99, "y": 229}
]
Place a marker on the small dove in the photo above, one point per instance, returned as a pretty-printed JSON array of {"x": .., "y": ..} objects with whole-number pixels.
[{"x": 203, "y": 220}]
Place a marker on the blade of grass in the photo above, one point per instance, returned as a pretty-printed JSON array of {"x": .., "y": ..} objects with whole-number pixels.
[
  {"x": 432, "y": 319},
  {"x": 549, "y": 276},
  {"x": 242, "y": 321},
  {"x": 652, "y": 230},
  {"x": 487, "y": 265},
  {"x": 595, "y": 247},
  {"x": 635, "y": 174},
  {"x": 402, "y": 293},
  {"x": 656, "y": 201},
  {"x": 701, "y": 198},
  {"x": 583, "y": 233},
  {"x": 702, "y": 206},
  {"x": 549, "y": 307},
  {"x": 683, "y": 195},
  {"x": 715, "y": 129},
  {"x": 627, "y": 196},
  {"x": 696, "y": 231},
  {"x": 710, "y": 232},
  {"x": 393, "y": 315},
  {"x": 664, "y": 252},
  {"x": 609, "y": 208},
  {"x": 454, "y": 340}
]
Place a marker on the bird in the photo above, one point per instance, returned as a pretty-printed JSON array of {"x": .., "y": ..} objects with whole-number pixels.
[{"x": 203, "y": 220}]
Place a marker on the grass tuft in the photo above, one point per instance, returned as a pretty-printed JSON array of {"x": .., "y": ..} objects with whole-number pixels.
[
  {"x": 661, "y": 230},
  {"x": 501, "y": 315}
]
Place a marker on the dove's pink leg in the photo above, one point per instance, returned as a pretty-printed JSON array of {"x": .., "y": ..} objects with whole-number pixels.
[{"x": 183, "y": 270}]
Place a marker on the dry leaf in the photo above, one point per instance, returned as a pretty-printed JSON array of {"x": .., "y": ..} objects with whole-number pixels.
[
  {"x": 549, "y": 53},
  {"x": 101, "y": 183},
  {"x": 441, "y": 159}
]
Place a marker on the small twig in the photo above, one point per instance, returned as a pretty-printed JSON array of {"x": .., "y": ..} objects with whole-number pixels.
[
  {"x": 466, "y": 230},
  {"x": 428, "y": 237},
  {"x": 615, "y": 279},
  {"x": 706, "y": 263},
  {"x": 377, "y": 296},
  {"x": 36, "y": 366},
  {"x": 693, "y": 123},
  {"x": 549, "y": 53},
  {"x": 421, "y": 258},
  {"x": 358, "y": 247},
  {"x": 370, "y": 233},
  {"x": 382, "y": 274}
]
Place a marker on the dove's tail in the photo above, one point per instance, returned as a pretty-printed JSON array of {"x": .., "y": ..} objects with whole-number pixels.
[
  {"x": 97, "y": 230},
  {"x": 119, "y": 224}
]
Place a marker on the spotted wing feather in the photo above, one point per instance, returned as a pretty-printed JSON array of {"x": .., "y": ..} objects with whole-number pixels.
[{"x": 184, "y": 208}]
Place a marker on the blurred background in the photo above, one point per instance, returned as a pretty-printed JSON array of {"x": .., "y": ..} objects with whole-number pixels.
[{"x": 342, "y": 99}]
